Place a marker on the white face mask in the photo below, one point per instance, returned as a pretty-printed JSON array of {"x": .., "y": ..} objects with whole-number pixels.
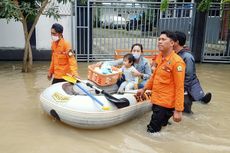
[
  {"x": 136, "y": 55},
  {"x": 55, "y": 38}
]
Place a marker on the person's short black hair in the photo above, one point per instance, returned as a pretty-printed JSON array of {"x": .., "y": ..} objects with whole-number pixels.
[
  {"x": 181, "y": 37},
  {"x": 57, "y": 27},
  {"x": 130, "y": 58},
  {"x": 169, "y": 34},
  {"x": 137, "y": 44}
]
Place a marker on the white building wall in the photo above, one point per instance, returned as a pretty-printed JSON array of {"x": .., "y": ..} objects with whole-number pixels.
[
  {"x": 43, "y": 37},
  {"x": 11, "y": 34}
]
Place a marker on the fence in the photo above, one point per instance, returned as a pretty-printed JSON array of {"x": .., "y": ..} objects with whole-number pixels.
[
  {"x": 217, "y": 38},
  {"x": 118, "y": 25},
  {"x": 102, "y": 27}
]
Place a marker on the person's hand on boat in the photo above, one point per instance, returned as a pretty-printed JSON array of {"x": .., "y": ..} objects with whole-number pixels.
[
  {"x": 49, "y": 76},
  {"x": 78, "y": 77},
  {"x": 73, "y": 76},
  {"x": 177, "y": 116},
  {"x": 140, "y": 92}
]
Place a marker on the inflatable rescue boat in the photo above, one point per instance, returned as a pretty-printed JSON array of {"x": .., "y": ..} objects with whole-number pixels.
[{"x": 82, "y": 105}]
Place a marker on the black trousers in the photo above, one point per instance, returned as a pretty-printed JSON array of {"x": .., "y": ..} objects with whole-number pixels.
[
  {"x": 188, "y": 103},
  {"x": 121, "y": 80},
  {"x": 57, "y": 80},
  {"x": 159, "y": 118}
]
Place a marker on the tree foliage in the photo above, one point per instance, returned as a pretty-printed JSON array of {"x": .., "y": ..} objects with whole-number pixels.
[
  {"x": 164, "y": 5},
  {"x": 204, "y": 5},
  {"x": 83, "y": 2}
]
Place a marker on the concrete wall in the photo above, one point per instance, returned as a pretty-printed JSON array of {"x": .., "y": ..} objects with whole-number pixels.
[
  {"x": 43, "y": 37},
  {"x": 12, "y": 38},
  {"x": 11, "y": 34}
]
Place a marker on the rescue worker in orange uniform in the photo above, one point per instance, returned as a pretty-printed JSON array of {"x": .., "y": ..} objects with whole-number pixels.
[
  {"x": 63, "y": 61},
  {"x": 167, "y": 84}
]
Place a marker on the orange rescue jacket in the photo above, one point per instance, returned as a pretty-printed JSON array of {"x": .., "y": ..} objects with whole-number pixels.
[
  {"x": 62, "y": 61},
  {"x": 167, "y": 82}
]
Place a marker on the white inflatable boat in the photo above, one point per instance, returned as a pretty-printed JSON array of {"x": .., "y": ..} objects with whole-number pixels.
[{"x": 86, "y": 109}]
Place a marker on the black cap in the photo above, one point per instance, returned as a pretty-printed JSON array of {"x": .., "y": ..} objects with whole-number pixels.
[{"x": 57, "y": 27}]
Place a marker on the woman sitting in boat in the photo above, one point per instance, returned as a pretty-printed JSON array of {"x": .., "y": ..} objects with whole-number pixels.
[{"x": 141, "y": 64}]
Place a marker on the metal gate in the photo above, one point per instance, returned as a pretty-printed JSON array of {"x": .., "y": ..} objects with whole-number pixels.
[
  {"x": 217, "y": 37},
  {"x": 101, "y": 27}
]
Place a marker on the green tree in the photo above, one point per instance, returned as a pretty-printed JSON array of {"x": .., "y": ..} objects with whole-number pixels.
[{"x": 28, "y": 11}]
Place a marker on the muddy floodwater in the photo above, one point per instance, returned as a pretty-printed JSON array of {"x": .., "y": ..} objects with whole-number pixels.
[{"x": 25, "y": 128}]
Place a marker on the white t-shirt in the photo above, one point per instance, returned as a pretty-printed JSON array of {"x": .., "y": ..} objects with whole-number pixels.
[{"x": 128, "y": 72}]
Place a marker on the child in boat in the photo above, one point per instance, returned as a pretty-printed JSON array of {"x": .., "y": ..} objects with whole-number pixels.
[{"x": 128, "y": 70}]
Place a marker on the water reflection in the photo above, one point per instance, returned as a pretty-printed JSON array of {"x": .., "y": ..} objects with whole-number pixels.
[{"x": 25, "y": 128}]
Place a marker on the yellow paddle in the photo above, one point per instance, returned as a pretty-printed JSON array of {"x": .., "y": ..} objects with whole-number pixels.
[{"x": 70, "y": 79}]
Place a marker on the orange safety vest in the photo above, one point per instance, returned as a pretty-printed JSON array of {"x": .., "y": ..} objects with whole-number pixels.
[
  {"x": 167, "y": 82},
  {"x": 62, "y": 63}
]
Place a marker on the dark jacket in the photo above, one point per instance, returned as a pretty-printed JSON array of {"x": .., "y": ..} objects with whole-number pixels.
[{"x": 191, "y": 84}]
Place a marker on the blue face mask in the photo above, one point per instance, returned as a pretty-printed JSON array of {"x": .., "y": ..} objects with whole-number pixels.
[{"x": 136, "y": 55}]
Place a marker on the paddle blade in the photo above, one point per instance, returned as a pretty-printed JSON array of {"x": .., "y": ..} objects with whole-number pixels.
[
  {"x": 120, "y": 103},
  {"x": 69, "y": 79},
  {"x": 105, "y": 108},
  {"x": 123, "y": 102}
]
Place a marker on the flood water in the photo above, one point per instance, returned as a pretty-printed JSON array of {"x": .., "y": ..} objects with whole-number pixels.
[{"x": 25, "y": 128}]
